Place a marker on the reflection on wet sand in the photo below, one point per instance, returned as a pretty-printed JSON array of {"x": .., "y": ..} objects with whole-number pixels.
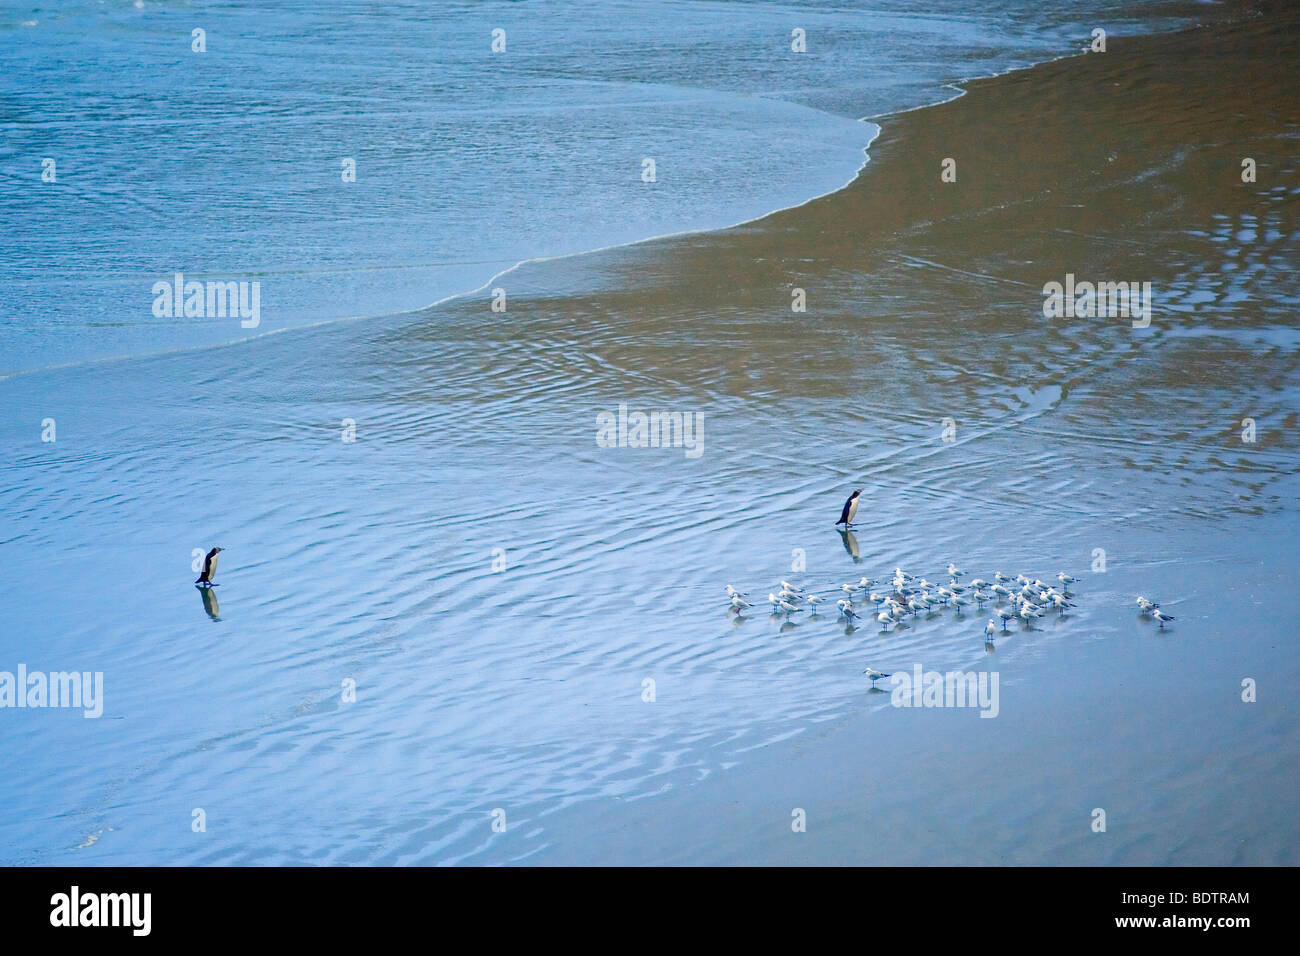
[
  {"x": 851, "y": 546},
  {"x": 209, "y": 595}
]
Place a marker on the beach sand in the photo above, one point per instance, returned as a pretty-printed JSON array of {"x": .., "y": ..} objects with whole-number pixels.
[
  {"x": 500, "y": 587},
  {"x": 1117, "y": 166}
]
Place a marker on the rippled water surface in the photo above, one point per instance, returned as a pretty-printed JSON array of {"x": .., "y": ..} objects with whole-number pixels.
[
  {"x": 497, "y": 585},
  {"x": 227, "y": 164}
]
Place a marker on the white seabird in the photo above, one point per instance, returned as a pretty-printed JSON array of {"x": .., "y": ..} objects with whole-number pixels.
[{"x": 781, "y": 604}]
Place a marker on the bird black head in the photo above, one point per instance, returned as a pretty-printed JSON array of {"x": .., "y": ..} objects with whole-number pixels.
[{"x": 857, "y": 493}]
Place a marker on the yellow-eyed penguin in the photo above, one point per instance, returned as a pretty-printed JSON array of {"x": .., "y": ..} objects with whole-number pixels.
[
  {"x": 850, "y": 510},
  {"x": 209, "y": 568}
]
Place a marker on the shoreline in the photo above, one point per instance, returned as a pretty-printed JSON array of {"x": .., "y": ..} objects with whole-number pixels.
[
  {"x": 718, "y": 819},
  {"x": 960, "y": 88},
  {"x": 519, "y": 685}
]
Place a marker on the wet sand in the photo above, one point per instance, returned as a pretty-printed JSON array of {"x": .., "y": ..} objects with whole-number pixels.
[
  {"x": 519, "y": 686},
  {"x": 1117, "y": 166}
]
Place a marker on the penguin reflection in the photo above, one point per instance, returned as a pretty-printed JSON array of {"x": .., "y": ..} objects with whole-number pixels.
[
  {"x": 209, "y": 601},
  {"x": 851, "y": 546}
]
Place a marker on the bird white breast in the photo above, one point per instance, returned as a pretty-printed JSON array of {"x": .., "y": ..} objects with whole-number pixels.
[
  {"x": 853, "y": 509},
  {"x": 212, "y": 567}
]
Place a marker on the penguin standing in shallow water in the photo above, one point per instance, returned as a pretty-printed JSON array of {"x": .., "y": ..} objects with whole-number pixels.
[
  {"x": 209, "y": 568},
  {"x": 850, "y": 510}
]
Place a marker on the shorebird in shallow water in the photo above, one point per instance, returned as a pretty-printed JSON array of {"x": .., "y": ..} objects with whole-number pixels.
[
  {"x": 781, "y": 604},
  {"x": 1161, "y": 616},
  {"x": 1145, "y": 606},
  {"x": 907, "y": 600},
  {"x": 875, "y": 675}
]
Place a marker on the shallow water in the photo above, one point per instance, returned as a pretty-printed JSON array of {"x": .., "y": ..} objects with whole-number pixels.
[
  {"x": 521, "y": 688},
  {"x": 226, "y": 165},
  {"x": 479, "y": 689}
]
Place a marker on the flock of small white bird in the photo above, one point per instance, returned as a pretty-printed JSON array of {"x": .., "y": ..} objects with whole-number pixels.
[{"x": 1013, "y": 597}]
